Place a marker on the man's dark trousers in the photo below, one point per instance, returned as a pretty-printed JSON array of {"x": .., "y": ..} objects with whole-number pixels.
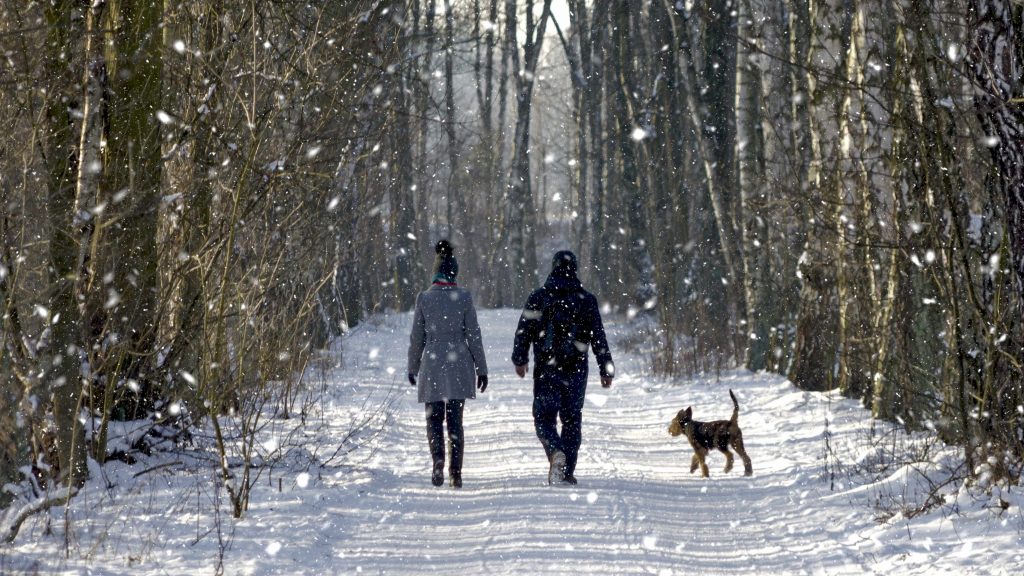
[{"x": 560, "y": 396}]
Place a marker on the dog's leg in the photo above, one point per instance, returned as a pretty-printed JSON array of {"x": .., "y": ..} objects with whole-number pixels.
[
  {"x": 728, "y": 461},
  {"x": 737, "y": 444},
  {"x": 703, "y": 465},
  {"x": 694, "y": 462}
]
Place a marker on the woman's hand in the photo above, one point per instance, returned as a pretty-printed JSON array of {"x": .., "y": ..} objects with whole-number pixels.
[{"x": 481, "y": 382}]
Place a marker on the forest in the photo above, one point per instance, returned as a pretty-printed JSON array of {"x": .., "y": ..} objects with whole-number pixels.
[{"x": 197, "y": 196}]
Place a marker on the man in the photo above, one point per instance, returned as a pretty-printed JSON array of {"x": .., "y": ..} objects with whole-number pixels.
[{"x": 561, "y": 320}]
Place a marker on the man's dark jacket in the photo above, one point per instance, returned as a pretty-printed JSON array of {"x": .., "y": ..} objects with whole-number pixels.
[{"x": 564, "y": 286}]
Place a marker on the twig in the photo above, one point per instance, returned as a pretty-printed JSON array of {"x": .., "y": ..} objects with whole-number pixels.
[{"x": 158, "y": 467}]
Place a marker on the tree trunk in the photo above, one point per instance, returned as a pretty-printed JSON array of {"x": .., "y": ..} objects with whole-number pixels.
[
  {"x": 185, "y": 221},
  {"x": 994, "y": 53},
  {"x": 776, "y": 290},
  {"x": 873, "y": 174},
  {"x": 453, "y": 200},
  {"x": 579, "y": 71},
  {"x": 599, "y": 242},
  {"x": 403, "y": 207},
  {"x": 424, "y": 113},
  {"x": 67, "y": 389},
  {"x": 752, "y": 185},
  {"x": 669, "y": 180},
  {"x": 817, "y": 326},
  {"x": 720, "y": 74},
  {"x": 708, "y": 80},
  {"x": 132, "y": 177},
  {"x": 629, "y": 140},
  {"x": 522, "y": 259},
  {"x": 62, "y": 168}
]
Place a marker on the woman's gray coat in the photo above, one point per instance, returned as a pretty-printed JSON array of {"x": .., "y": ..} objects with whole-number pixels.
[{"x": 445, "y": 348}]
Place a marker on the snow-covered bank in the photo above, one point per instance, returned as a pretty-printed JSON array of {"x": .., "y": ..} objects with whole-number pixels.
[{"x": 371, "y": 509}]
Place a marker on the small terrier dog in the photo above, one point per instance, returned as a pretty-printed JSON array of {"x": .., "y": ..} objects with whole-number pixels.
[{"x": 720, "y": 434}]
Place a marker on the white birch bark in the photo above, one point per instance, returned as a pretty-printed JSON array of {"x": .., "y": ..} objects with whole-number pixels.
[{"x": 817, "y": 323}]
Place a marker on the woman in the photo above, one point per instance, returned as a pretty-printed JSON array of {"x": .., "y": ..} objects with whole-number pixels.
[{"x": 446, "y": 352}]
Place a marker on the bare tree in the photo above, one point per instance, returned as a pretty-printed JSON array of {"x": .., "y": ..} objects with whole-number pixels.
[
  {"x": 817, "y": 330},
  {"x": 521, "y": 252},
  {"x": 994, "y": 53}
]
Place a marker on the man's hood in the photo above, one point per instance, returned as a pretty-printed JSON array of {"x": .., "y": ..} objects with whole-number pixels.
[{"x": 560, "y": 282}]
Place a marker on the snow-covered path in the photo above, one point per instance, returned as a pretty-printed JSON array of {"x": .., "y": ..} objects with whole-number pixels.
[
  {"x": 371, "y": 509},
  {"x": 636, "y": 509}
]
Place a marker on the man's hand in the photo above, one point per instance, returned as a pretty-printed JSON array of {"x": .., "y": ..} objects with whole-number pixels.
[
  {"x": 412, "y": 379},
  {"x": 521, "y": 370},
  {"x": 606, "y": 381}
]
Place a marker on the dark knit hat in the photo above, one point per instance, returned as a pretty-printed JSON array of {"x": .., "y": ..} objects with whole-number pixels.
[
  {"x": 446, "y": 267},
  {"x": 564, "y": 263}
]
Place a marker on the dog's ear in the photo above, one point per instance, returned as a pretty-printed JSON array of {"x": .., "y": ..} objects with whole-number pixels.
[{"x": 688, "y": 413}]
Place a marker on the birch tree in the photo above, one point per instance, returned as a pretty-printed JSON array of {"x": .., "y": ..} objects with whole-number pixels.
[{"x": 817, "y": 325}]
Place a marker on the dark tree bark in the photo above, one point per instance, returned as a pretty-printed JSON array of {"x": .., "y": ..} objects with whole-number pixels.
[
  {"x": 599, "y": 241},
  {"x": 751, "y": 184},
  {"x": 522, "y": 255},
  {"x": 131, "y": 183},
  {"x": 408, "y": 275},
  {"x": 422, "y": 67},
  {"x": 996, "y": 54},
  {"x": 629, "y": 140},
  {"x": 453, "y": 200},
  {"x": 62, "y": 171},
  {"x": 75, "y": 257}
]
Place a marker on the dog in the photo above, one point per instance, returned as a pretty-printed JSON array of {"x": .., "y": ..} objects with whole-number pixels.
[{"x": 720, "y": 434}]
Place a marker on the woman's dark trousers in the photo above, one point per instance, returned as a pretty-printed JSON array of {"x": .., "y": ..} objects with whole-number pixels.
[{"x": 437, "y": 413}]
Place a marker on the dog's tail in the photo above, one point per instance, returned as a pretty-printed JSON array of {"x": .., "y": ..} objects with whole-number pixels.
[{"x": 735, "y": 408}]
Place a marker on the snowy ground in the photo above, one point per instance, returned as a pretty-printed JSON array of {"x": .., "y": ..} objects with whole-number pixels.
[{"x": 365, "y": 504}]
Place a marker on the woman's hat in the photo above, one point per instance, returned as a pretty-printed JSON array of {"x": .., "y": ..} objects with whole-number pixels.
[{"x": 446, "y": 267}]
